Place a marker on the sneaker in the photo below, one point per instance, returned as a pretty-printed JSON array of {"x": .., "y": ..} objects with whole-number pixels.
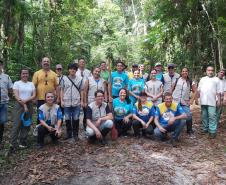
[
  {"x": 76, "y": 138},
  {"x": 103, "y": 142},
  {"x": 173, "y": 142},
  {"x": 22, "y": 146}
]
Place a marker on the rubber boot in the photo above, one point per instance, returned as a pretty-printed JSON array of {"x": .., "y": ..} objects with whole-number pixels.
[
  {"x": 189, "y": 127},
  {"x": 75, "y": 129},
  {"x": 104, "y": 132},
  {"x": 1, "y": 133},
  {"x": 69, "y": 129}
]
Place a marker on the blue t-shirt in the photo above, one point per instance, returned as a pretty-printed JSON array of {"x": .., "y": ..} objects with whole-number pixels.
[
  {"x": 136, "y": 86},
  {"x": 159, "y": 76},
  {"x": 148, "y": 110},
  {"x": 119, "y": 80},
  {"x": 48, "y": 121},
  {"x": 121, "y": 109},
  {"x": 164, "y": 113}
]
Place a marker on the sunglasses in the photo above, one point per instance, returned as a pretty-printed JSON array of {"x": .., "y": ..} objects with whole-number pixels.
[{"x": 59, "y": 69}]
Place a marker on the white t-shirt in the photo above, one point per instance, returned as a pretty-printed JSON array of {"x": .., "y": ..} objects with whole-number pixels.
[
  {"x": 25, "y": 89},
  {"x": 208, "y": 88}
]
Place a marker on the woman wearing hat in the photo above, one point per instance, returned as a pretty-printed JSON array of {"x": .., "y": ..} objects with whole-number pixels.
[{"x": 24, "y": 92}]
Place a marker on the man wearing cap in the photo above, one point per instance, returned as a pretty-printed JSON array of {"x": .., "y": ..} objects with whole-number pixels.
[
  {"x": 45, "y": 80},
  {"x": 158, "y": 68},
  {"x": 59, "y": 72},
  {"x": 6, "y": 85},
  {"x": 119, "y": 79},
  {"x": 134, "y": 68},
  {"x": 170, "y": 78}
]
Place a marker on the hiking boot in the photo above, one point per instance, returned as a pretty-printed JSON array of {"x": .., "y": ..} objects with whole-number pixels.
[
  {"x": 92, "y": 140},
  {"x": 103, "y": 142},
  {"x": 76, "y": 138}
]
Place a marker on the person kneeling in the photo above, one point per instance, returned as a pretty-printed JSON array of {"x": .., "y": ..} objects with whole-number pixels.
[
  {"x": 50, "y": 117},
  {"x": 169, "y": 118},
  {"x": 143, "y": 114},
  {"x": 99, "y": 119}
]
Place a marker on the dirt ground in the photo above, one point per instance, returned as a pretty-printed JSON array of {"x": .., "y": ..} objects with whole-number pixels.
[{"x": 126, "y": 161}]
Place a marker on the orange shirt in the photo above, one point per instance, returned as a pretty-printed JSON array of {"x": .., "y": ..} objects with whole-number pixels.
[{"x": 44, "y": 82}]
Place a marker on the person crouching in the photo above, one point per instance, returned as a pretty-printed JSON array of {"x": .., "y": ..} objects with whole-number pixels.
[
  {"x": 99, "y": 119},
  {"x": 50, "y": 117}
]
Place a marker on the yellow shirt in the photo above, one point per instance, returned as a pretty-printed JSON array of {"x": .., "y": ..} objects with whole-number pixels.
[{"x": 44, "y": 82}]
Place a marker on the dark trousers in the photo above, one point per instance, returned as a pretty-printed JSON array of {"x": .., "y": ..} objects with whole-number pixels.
[
  {"x": 84, "y": 118},
  {"x": 137, "y": 127},
  {"x": 39, "y": 103},
  {"x": 18, "y": 128},
  {"x": 2, "y": 126},
  {"x": 42, "y": 132},
  {"x": 122, "y": 127}
]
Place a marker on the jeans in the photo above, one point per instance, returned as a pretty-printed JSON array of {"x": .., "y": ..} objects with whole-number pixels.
[
  {"x": 175, "y": 128},
  {"x": 122, "y": 127},
  {"x": 72, "y": 113},
  {"x": 219, "y": 112},
  {"x": 189, "y": 117},
  {"x": 137, "y": 126},
  {"x": 3, "y": 119},
  {"x": 209, "y": 119},
  {"x": 18, "y": 128},
  {"x": 3, "y": 113},
  {"x": 106, "y": 124}
]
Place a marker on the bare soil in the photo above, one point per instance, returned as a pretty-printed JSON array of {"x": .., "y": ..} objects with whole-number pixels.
[{"x": 128, "y": 160}]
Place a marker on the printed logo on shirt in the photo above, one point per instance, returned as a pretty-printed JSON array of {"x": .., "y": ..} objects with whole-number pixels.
[
  {"x": 117, "y": 82},
  {"x": 136, "y": 88},
  {"x": 145, "y": 111},
  {"x": 120, "y": 111},
  {"x": 167, "y": 115}
]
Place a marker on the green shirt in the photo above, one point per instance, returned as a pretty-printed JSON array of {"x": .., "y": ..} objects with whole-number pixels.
[{"x": 104, "y": 75}]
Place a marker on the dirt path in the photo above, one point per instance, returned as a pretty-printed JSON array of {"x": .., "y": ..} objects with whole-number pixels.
[{"x": 126, "y": 161}]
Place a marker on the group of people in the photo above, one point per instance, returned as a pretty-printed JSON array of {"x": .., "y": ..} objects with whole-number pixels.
[{"x": 152, "y": 105}]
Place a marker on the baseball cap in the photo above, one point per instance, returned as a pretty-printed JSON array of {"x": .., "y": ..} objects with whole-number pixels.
[
  {"x": 135, "y": 65},
  {"x": 171, "y": 65},
  {"x": 158, "y": 64}
]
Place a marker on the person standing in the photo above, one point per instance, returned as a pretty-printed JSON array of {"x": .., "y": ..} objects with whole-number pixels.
[
  {"x": 159, "y": 72},
  {"x": 209, "y": 93},
  {"x": 6, "y": 86},
  {"x": 119, "y": 79},
  {"x": 45, "y": 80},
  {"x": 135, "y": 87},
  {"x": 83, "y": 73},
  {"x": 169, "y": 79},
  {"x": 99, "y": 119},
  {"x": 222, "y": 83},
  {"x": 24, "y": 92},
  {"x": 143, "y": 75},
  {"x": 71, "y": 100},
  {"x": 92, "y": 84},
  {"x": 131, "y": 73},
  {"x": 154, "y": 89},
  {"x": 104, "y": 71},
  {"x": 181, "y": 94}
]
